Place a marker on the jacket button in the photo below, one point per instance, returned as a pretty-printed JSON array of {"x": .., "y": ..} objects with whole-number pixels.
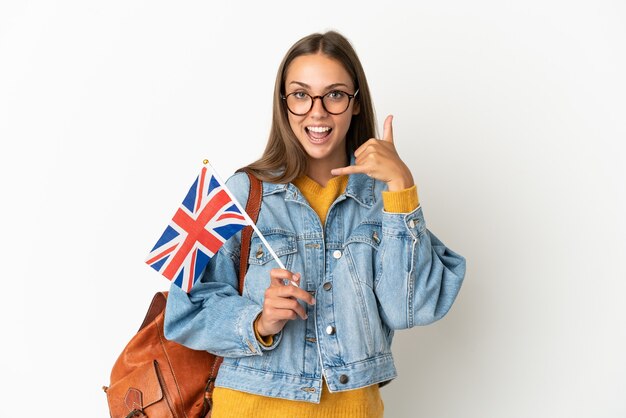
[
  {"x": 343, "y": 379},
  {"x": 330, "y": 330},
  {"x": 337, "y": 254},
  {"x": 327, "y": 286}
]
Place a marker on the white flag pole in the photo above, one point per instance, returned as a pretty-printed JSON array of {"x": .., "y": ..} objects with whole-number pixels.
[{"x": 247, "y": 217}]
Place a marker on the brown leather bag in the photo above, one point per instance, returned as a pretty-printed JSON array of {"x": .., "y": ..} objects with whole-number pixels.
[{"x": 157, "y": 378}]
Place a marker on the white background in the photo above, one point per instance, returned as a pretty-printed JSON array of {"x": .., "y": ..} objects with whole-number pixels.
[{"x": 510, "y": 115}]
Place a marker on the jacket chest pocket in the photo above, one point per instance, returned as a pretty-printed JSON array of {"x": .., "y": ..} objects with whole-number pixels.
[
  {"x": 261, "y": 261},
  {"x": 363, "y": 245}
]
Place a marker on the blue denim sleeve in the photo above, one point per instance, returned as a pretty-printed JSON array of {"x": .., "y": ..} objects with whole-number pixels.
[
  {"x": 213, "y": 316},
  {"x": 419, "y": 277}
]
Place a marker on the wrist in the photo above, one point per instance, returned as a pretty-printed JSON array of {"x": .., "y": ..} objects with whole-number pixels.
[
  {"x": 259, "y": 328},
  {"x": 264, "y": 340},
  {"x": 399, "y": 184}
]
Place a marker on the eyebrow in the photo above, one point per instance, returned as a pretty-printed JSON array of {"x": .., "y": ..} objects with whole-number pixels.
[{"x": 332, "y": 86}]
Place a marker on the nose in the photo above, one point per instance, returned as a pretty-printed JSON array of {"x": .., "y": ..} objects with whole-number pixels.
[{"x": 318, "y": 109}]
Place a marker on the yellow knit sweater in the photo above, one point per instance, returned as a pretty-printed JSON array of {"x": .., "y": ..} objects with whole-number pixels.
[{"x": 359, "y": 403}]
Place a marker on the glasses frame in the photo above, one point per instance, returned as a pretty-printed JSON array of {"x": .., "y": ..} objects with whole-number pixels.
[{"x": 350, "y": 97}]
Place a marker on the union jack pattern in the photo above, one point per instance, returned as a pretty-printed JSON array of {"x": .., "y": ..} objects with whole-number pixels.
[{"x": 204, "y": 221}]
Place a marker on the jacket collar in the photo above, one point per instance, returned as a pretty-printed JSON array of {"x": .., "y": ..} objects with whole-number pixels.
[{"x": 360, "y": 188}]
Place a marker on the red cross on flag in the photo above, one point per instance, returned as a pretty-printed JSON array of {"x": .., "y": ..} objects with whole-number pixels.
[{"x": 208, "y": 216}]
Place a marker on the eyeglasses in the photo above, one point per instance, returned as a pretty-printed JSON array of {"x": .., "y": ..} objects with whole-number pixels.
[{"x": 334, "y": 102}]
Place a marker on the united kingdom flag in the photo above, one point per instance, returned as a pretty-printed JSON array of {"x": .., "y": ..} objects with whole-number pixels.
[{"x": 205, "y": 220}]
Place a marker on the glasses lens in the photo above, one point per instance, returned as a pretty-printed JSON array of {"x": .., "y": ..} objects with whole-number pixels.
[
  {"x": 336, "y": 102},
  {"x": 299, "y": 103}
]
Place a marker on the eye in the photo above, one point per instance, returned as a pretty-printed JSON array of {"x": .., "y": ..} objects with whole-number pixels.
[
  {"x": 336, "y": 95},
  {"x": 299, "y": 95}
]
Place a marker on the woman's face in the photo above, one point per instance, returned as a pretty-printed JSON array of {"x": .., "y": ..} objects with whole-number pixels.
[{"x": 323, "y": 135}]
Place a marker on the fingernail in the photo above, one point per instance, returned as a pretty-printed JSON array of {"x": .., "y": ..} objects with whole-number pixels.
[{"x": 313, "y": 301}]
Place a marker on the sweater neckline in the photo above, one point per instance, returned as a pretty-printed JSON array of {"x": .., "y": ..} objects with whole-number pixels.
[{"x": 334, "y": 187}]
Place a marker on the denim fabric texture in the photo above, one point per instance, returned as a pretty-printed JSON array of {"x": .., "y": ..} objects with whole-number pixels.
[{"x": 371, "y": 272}]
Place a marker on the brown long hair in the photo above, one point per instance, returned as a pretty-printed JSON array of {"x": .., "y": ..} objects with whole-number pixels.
[{"x": 284, "y": 158}]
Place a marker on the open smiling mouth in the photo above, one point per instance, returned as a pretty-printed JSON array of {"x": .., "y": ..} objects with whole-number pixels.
[{"x": 318, "y": 133}]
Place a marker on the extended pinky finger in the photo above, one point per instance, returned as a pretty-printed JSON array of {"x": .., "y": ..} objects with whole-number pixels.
[{"x": 351, "y": 169}]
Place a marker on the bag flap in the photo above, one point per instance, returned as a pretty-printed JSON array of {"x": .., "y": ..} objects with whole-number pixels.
[{"x": 138, "y": 390}]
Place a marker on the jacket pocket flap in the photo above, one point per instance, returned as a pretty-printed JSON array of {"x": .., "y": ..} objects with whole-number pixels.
[
  {"x": 140, "y": 389},
  {"x": 367, "y": 233},
  {"x": 282, "y": 243}
]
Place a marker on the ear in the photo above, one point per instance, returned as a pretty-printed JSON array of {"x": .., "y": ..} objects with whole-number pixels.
[{"x": 356, "y": 109}]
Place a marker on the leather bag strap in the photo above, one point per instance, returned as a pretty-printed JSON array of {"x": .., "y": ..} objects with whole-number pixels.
[
  {"x": 253, "y": 207},
  {"x": 156, "y": 307}
]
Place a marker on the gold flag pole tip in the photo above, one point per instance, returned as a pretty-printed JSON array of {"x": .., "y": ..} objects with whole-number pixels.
[{"x": 205, "y": 161}]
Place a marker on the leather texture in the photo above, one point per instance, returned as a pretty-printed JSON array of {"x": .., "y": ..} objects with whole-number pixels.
[{"x": 157, "y": 378}]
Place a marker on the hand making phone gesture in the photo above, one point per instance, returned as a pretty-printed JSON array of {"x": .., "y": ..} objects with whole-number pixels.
[{"x": 379, "y": 159}]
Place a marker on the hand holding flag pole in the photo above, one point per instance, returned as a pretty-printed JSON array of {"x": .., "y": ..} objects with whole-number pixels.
[{"x": 208, "y": 216}]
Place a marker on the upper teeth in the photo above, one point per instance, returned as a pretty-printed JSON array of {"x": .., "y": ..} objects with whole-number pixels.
[{"x": 319, "y": 128}]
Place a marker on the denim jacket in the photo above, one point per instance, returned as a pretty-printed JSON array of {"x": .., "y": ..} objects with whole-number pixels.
[{"x": 370, "y": 271}]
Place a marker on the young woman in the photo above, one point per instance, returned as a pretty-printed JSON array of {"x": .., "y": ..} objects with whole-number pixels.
[{"x": 341, "y": 211}]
